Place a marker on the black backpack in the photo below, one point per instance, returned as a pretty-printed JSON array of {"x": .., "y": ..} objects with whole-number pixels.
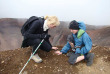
[{"x": 27, "y": 24}]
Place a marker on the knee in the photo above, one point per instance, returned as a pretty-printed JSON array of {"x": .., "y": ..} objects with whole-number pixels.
[
  {"x": 48, "y": 49},
  {"x": 73, "y": 58},
  {"x": 72, "y": 61}
]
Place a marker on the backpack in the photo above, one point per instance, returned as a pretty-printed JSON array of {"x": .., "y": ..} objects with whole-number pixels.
[{"x": 27, "y": 24}]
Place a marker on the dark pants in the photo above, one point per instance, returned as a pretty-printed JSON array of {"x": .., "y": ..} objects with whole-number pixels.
[
  {"x": 46, "y": 46},
  {"x": 73, "y": 57}
]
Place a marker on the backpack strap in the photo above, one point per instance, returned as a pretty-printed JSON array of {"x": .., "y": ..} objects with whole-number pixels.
[
  {"x": 70, "y": 38},
  {"x": 41, "y": 20}
]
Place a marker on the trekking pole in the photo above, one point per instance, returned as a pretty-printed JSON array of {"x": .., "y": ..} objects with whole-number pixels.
[{"x": 32, "y": 55}]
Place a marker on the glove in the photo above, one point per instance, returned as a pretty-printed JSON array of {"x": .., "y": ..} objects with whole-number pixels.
[{"x": 44, "y": 36}]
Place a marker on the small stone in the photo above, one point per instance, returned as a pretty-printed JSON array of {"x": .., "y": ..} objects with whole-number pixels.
[
  {"x": 25, "y": 72},
  {"x": 2, "y": 69},
  {"x": 18, "y": 49},
  {"x": 2, "y": 61},
  {"x": 60, "y": 70},
  {"x": 21, "y": 63},
  {"x": 101, "y": 69},
  {"x": 36, "y": 65},
  {"x": 105, "y": 57}
]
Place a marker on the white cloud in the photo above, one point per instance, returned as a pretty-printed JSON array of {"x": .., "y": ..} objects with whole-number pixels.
[{"x": 94, "y": 12}]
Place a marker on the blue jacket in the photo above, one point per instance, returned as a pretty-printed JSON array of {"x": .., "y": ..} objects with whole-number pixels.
[{"x": 84, "y": 40}]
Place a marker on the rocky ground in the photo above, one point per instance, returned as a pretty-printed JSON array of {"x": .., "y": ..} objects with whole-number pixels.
[{"x": 12, "y": 61}]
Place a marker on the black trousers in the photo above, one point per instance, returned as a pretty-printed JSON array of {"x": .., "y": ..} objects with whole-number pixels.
[
  {"x": 73, "y": 57},
  {"x": 46, "y": 46}
]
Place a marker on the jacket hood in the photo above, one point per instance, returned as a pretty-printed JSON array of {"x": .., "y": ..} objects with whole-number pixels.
[
  {"x": 82, "y": 29},
  {"x": 82, "y": 26}
]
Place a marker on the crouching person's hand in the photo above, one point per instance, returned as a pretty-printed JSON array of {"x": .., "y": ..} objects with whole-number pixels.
[
  {"x": 58, "y": 52},
  {"x": 55, "y": 48}
]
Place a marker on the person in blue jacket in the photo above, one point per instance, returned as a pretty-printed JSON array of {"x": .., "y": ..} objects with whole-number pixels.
[{"x": 80, "y": 43}]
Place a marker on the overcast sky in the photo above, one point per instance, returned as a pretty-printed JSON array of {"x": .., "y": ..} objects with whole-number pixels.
[{"x": 93, "y": 12}]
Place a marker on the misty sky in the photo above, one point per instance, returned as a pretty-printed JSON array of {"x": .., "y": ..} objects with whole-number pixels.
[{"x": 93, "y": 12}]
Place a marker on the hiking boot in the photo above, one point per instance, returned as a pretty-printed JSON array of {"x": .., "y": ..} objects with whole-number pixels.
[
  {"x": 69, "y": 54},
  {"x": 36, "y": 58},
  {"x": 89, "y": 58}
]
